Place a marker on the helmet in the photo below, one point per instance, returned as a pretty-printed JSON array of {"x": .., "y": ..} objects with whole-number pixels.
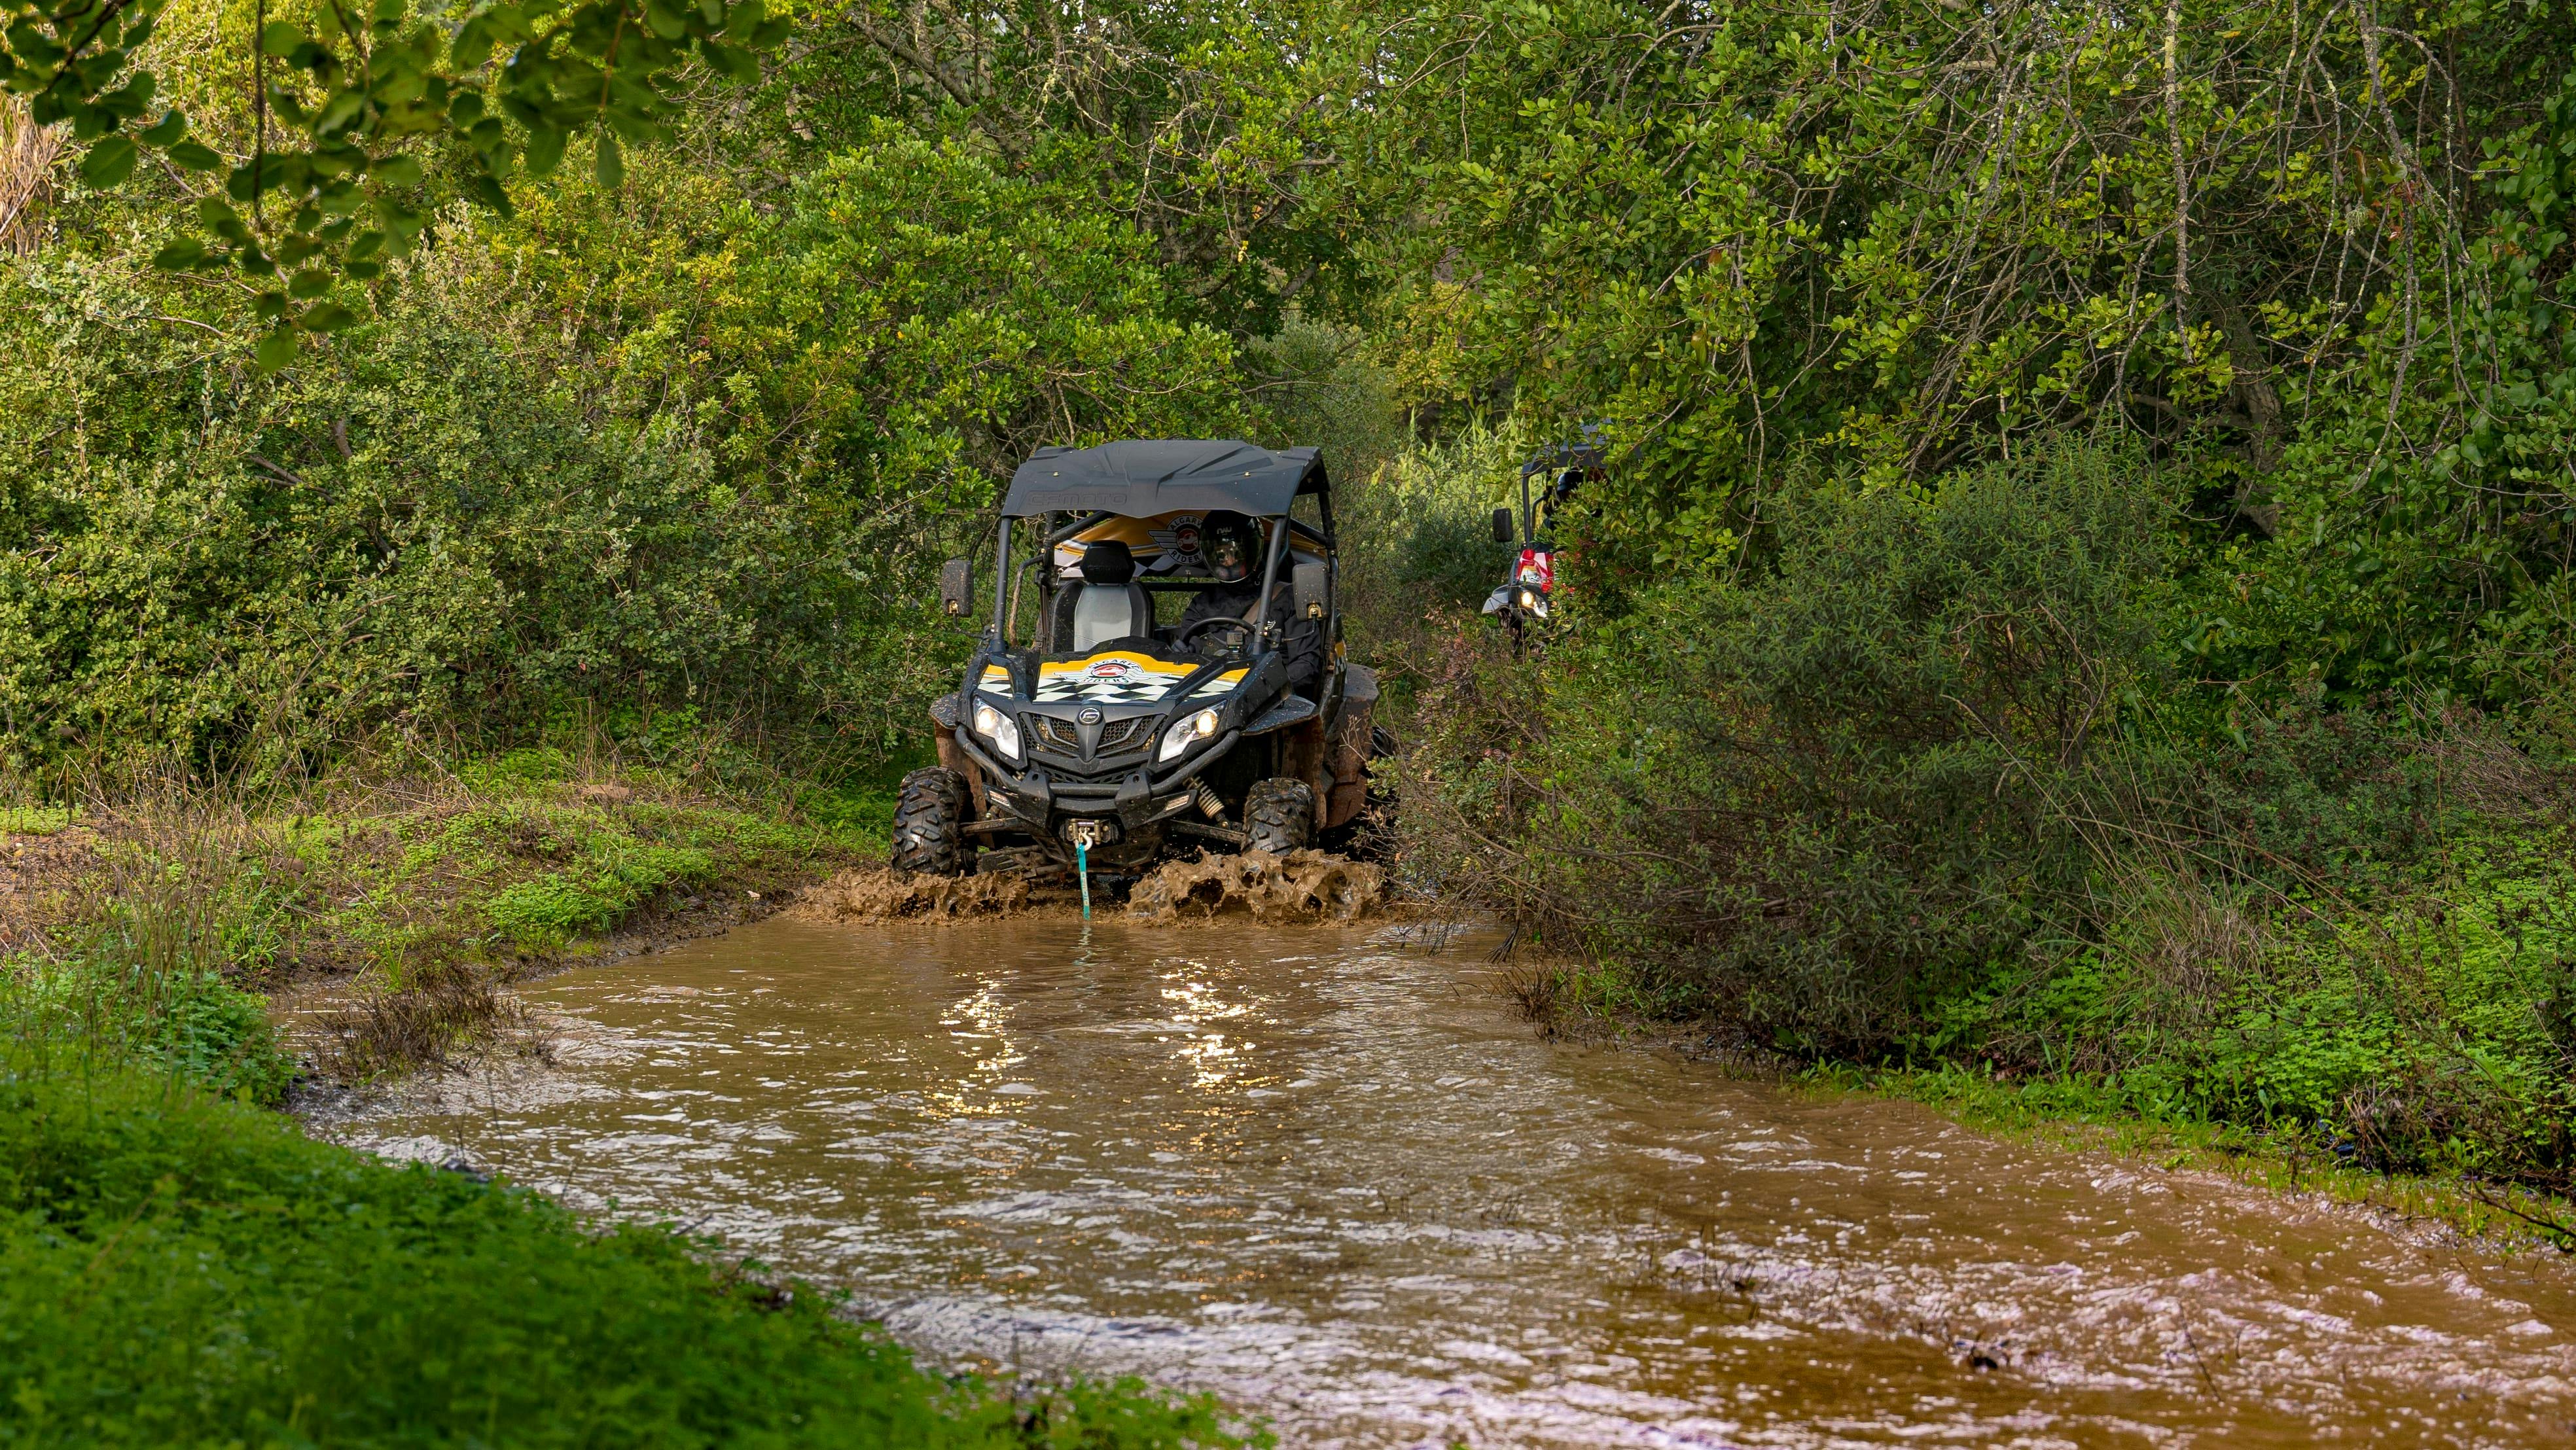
[{"x": 1229, "y": 542}]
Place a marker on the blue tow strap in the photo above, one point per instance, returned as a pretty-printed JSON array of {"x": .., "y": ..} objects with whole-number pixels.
[{"x": 1082, "y": 867}]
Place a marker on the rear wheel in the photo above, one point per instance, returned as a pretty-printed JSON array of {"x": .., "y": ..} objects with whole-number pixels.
[
  {"x": 930, "y": 823},
  {"x": 1279, "y": 815}
]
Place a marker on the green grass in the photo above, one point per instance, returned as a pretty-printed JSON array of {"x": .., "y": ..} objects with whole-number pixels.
[
  {"x": 538, "y": 873},
  {"x": 510, "y": 861},
  {"x": 33, "y": 820},
  {"x": 177, "y": 1269}
]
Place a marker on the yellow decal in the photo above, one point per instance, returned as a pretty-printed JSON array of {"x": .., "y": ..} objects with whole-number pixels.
[{"x": 1111, "y": 677}]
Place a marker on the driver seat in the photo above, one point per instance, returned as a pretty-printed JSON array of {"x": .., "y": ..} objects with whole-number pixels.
[{"x": 1108, "y": 604}]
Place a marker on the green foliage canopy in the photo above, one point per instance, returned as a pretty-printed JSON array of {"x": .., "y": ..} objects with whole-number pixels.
[
  {"x": 2315, "y": 256},
  {"x": 361, "y": 93},
  {"x": 724, "y": 491}
]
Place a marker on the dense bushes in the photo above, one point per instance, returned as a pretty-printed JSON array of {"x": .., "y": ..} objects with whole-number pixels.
[
  {"x": 1921, "y": 786},
  {"x": 715, "y": 479},
  {"x": 1837, "y": 786}
]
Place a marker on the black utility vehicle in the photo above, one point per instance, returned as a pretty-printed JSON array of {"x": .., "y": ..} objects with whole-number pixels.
[
  {"x": 1099, "y": 713},
  {"x": 1529, "y": 580}
]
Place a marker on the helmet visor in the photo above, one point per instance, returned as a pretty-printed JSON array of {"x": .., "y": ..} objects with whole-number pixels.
[{"x": 1229, "y": 556}]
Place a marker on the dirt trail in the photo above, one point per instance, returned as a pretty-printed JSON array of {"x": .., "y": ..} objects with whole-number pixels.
[{"x": 1302, "y": 886}]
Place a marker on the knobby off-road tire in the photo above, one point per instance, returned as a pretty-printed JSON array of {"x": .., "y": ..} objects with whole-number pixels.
[
  {"x": 930, "y": 823},
  {"x": 1279, "y": 816}
]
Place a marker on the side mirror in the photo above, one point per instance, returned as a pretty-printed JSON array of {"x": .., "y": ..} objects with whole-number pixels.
[
  {"x": 1308, "y": 583},
  {"x": 1502, "y": 526},
  {"x": 956, "y": 586}
]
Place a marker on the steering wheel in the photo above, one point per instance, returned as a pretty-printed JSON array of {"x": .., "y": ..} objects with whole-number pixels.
[{"x": 1242, "y": 634}]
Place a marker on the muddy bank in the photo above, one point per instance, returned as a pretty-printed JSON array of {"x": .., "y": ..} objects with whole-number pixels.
[
  {"x": 1303, "y": 886},
  {"x": 348, "y": 1022},
  {"x": 40, "y": 876}
]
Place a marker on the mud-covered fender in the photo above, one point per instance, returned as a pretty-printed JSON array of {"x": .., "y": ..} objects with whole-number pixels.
[{"x": 952, "y": 756}]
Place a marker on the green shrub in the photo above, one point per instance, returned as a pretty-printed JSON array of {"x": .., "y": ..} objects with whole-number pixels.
[
  {"x": 546, "y": 911},
  {"x": 1823, "y": 796},
  {"x": 178, "y": 1270},
  {"x": 1416, "y": 549},
  {"x": 186, "y": 1023},
  {"x": 719, "y": 500},
  {"x": 1923, "y": 789}
]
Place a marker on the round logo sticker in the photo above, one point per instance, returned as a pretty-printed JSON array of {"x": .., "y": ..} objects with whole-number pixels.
[{"x": 1110, "y": 670}]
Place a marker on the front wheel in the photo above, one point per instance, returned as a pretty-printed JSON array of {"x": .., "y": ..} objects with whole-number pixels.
[
  {"x": 1279, "y": 816},
  {"x": 930, "y": 823}
]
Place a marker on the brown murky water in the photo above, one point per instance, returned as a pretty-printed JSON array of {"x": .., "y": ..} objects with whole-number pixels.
[{"x": 1331, "y": 1177}]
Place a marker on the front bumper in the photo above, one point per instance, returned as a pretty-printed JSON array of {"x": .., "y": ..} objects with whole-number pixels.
[{"x": 1040, "y": 799}]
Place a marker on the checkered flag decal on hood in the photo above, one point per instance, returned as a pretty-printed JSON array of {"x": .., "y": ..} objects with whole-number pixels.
[{"x": 1112, "y": 677}]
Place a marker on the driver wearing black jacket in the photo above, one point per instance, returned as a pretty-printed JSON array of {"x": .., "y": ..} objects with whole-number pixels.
[{"x": 1231, "y": 544}]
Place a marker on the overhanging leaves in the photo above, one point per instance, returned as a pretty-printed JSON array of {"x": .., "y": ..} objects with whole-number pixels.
[{"x": 352, "y": 107}]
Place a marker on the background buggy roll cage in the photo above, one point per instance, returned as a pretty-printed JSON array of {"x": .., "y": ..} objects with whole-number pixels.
[{"x": 1585, "y": 455}]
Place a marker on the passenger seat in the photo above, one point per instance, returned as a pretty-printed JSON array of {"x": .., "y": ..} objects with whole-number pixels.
[{"x": 1108, "y": 604}]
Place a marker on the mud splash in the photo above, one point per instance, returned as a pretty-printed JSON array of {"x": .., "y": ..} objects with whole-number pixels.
[
  {"x": 1300, "y": 886},
  {"x": 880, "y": 893}
]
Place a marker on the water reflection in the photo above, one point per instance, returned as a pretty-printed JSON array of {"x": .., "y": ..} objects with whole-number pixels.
[{"x": 1337, "y": 1182}]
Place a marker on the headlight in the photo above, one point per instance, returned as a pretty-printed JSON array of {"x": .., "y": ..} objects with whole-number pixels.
[
  {"x": 995, "y": 726},
  {"x": 1198, "y": 727}
]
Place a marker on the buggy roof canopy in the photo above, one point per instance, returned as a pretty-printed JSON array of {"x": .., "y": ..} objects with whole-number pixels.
[{"x": 1148, "y": 476}]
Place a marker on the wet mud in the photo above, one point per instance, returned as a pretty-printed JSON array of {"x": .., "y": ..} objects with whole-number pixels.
[
  {"x": 1302, "y": 886},
  {"x": 880, "y": 894},
  {"x": 1329, "y": 1174}
]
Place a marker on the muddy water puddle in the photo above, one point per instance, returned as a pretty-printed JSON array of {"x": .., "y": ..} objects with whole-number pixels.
[{"x": 1330, "y": 1176}]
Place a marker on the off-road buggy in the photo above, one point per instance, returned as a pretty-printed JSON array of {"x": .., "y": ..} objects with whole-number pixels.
[
  {"x": 1088, "y": 728},
  {"x": 1529, "y": 580}
]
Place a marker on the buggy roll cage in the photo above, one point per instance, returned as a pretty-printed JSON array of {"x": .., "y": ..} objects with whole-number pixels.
[
  {"x": 1147, "y": 478},
  {"x": 1585, "y": 456}
]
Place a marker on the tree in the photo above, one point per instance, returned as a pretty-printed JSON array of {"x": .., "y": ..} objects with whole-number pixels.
[{"x": 355, "y": 96}]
